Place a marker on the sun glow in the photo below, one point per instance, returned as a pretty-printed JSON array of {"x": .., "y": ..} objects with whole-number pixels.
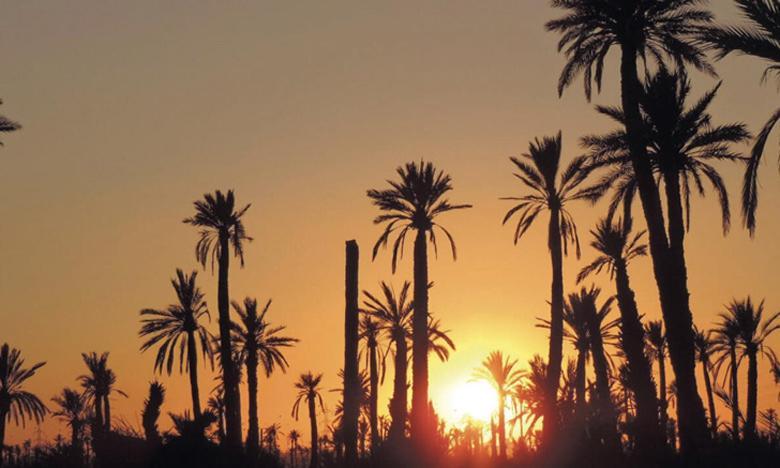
[{"x": 475, "y": 400}]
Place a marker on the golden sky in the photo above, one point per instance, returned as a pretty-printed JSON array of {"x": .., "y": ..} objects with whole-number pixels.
[{"x": 132, "y": 110}]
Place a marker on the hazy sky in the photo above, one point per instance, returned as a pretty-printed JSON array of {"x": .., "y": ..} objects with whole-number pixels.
[{"x": 132, "y": 110}]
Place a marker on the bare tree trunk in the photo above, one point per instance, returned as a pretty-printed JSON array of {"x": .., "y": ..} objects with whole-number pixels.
[
  {"x": 734, "y": 395},
  {"x": 351, "y": 382},
  {"x": 192, "y": 359},
  {"x": 313, "y": 419},
  {"x": 253, "y": 433},
  {"x": 710, "y": 400},
  {"x": 373, "y": 403},
  {"x": 555, "y": 357},
  {"x": 421, "y": 426},
  {"x": 752, "y": 396},
  {"x": 229, "y": 371},
  {"x": 398, "y": 409}
]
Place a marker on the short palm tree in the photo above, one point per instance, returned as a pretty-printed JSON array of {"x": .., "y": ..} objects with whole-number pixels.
[
  {"x": 7, "y": 125},
  {"x": 293, "y": 436},
  {"x": 216, "y": 405},
  {"x": 754, "y": 331},
  {"x": 413, "y": 204},
  {"x": 98, "y": 386},
  {"x": 179, "y": 324},
  {"x": 72, "y": 410},
  {"x": 704, "y": 349},
  {"x": 538, "y": 170},
  {"x": 726, "y": 337},
  {"x": 151, "y": 413},
  {"x": 308, "y": 386},
  {"x": 370, "y": 329},
  {"x": 643, "y": 29},
  {"x": 259, "y": 343},
  {"x": 16, "y": 403},
  {"x": 656, "y": 345},
  {"x": 760, "y": 39},
  {"x": 221, "y": 228},
  {"x": 501, "y": 372},
  {"x": 394, "y": 312}
]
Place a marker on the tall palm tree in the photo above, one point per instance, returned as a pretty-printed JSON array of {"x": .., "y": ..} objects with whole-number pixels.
[
  {"x": 179, "y": 324},
  {"x": 641, "y": 29},
  {"x": 656, "y": 344},
  {"x": 221, "y": 227},
  {"x": 151, "y": 413},
  {"x": 259, "y": 343},
  {"x": 704, "y": 350},
  {"x": 617, "y": 247},
  {"x": 98, "y": 386},
  {"x": 394, "y": 312},
  {"x": 369, "y": 332},
  {"x": 7, "y": 125},
  {"x": 16, "y": 403},
  {"x": 308, "y": 386},
  {"x": 760, "y": 38},
  {"x": 413, "y": 204},
  {"x": 72, "y": 409},
  {"x": 538, "y": 171},
  {"x": 501, "y": 372},
  {"x": 726, "y": 338},
  {"x": 754, "y": 331}
]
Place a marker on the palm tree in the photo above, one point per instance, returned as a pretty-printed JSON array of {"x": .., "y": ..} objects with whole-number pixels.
[
  {"x": 308, "y": 386},
  {"x": 726, "y": 338},
  {"x": 413, "y": 204},
  {"x": 259, "y": 343},
  {"x": 499, "y": 371},
  {"x": 179, "y": 324},
  {"x": 656, "y": 343},
  {"x": 617, "y": 247},
  {"x": 293, "y": 436},
  {"x": 394, "y": 313},
  {"x": 216, "y": 405},
  {"x": 73, "y": 411},
  {"x": 151, "y": 413},
  {"x": 760, "y": 39},
  {"x": 369, "y": 331},
  {"x": 7, "y": 125},
  {"x": 16, "y": 403},
  {"x": 538, "y": 170},
  {"x": 271, "y": 437},
  {"x": 704, "y": 349},
  {"x": 641, "y": 29},
  {"x": 98, "y": 386},
  {"x": 220, "y": 228},
  {"x": 753, "y": 334}
]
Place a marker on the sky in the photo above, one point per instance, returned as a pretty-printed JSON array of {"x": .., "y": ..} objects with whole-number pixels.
[{"x": 133, "y": 110}]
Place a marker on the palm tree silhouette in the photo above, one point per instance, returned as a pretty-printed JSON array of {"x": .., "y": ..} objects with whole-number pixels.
[
  {"x": 500, "y": 372},
  {"x": 394, "y": 313},
  {"x": 753, "y": 334},
  {"x": 656, "y": 344},
  {"x": 220, "y": 228},
  {"x": 413, "y": 204},
  {"x": 72, "y": 410},
  {"x": 16, "y": 403},
  {"x": 151, "y": 413},
  {"x": 369, "y": 331},
  {"x": 179, "y": 324},
  {"x": 642, "y": 29},
  {"x": 704, "y": 350},
  {"x": 538, "y": 170},
  {"x": 216, "y": 405},
  {"x": 98, "y": 386},
  {"x": 439, "y": 341},
  {"x": 726, "y": 337},
  {"x": 258, "y": 343},
  {"x": 293, "y": 436},
  {"x": 617, "y": 248},
  {"x": 761, "y": 39},
  {"x": 7, "y": 125},
  {"x": 308, "y": 386}
]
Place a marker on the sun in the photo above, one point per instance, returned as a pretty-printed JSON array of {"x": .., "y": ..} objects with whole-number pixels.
[{"x": 476, "y": 400}]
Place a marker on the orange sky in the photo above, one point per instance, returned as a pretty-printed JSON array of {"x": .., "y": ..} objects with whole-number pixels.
[{"x": 132, "y": 110}]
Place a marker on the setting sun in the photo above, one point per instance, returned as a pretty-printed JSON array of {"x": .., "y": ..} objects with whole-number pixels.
[{"x": 475, "y": 400}]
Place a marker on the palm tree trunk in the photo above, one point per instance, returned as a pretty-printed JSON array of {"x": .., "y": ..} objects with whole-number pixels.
[
  {"x": 229, "y": 374},
  {"x": 710, "y": 401},
  {"x": 253, "y": 433},
  {"x": 668, "y": 267},
  {"x": 421, "y": 427},
  {"x": 752, "y": 397},
  {"x": 650, "y": 435},
  {"x": 555, "y": 356},
  {"x": 351, "y": 382},
  {"x": 107, "y": 414},
  {"x": 600, "y": 366},
  {"x": 373, "y": 403},
  {"x": 313, "y": 420},
  {"x": 580, "y": 384},
  {"x": 398, "y": 408},
  {"x": 192, "y": 359},
  {"x": 734, "y": 395},
  {"x": 663, "y": 402},
  {"x": 501, "y": 426},
  {"x": 3, "y": 417}
]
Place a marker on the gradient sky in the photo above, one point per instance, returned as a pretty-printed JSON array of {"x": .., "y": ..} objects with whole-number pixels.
[{"x": 132, "y": 110}]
